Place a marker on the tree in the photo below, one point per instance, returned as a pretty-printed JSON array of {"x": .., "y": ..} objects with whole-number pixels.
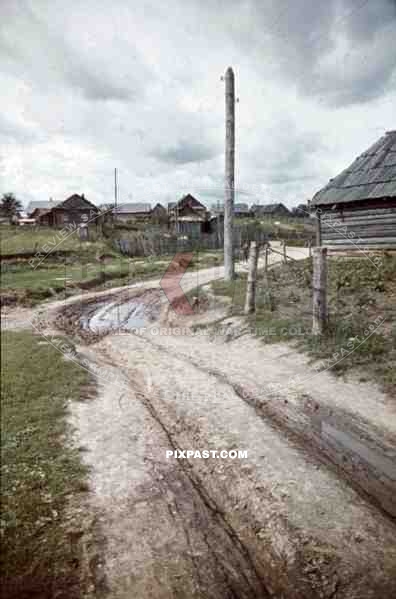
[{"x": 10, "y": 205}]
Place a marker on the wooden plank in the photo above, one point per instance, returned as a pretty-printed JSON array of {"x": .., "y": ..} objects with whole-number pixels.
[
  {"x": 367, "y": 232},
  {"x": 391, "y": 241},
  {"x": 356, "y": 252},
  {"x": 357, "y": 211},
  {"x": 380, "y": 218}
]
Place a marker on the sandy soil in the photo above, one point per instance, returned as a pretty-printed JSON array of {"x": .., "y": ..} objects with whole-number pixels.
[
  {"x": 289, "y": 510},
  {"x": 286, "y": 521}
]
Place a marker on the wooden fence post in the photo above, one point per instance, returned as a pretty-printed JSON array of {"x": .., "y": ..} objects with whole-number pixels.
[
  {"x": 266, "y": 258},
  {"x": 310, "y": 248},
  {"x": 284, "y": 253},
  {"x": 319, "y": 284},
  {"x": 250, "y": 303}
]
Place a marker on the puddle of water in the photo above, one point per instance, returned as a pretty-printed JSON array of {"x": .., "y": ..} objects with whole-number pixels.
[
  {"x": 113, "y": 316},
  {"x": 380, "y": 463}
]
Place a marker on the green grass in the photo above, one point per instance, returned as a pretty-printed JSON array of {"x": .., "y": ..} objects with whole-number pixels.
[
  {"x": 22, "y": 276},
  {"x": 29, "y": 285},
  {"x": 20, "y": 240},
  {"x": 359, "y": 295},
  {"x": 39, "y": 469}
]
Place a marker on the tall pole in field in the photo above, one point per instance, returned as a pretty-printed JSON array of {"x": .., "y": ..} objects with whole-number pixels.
[
  {"x": 229, "y": 175},
  {"x": 115, "y": 193}
]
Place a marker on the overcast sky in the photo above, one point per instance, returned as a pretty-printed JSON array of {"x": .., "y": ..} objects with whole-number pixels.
[{"x": 87, "y": 86}]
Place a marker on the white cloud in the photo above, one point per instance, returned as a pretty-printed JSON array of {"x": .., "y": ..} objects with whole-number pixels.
[{"x": 90, "y": 86}]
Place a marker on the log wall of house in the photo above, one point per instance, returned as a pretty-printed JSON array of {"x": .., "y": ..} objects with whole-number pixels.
[
  {"x": 63, "y": 217},
  {"x": 368, "y": 225}
]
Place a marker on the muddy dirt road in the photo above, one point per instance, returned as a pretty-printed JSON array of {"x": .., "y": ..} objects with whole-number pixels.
[{"x": 309, "y": 513}]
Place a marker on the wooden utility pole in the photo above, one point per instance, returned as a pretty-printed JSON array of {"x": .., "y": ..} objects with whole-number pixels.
[
  {"x": 250, "y": 303},
  {"x": 318, "y": 230},
  {"x": 115, "y": 194},
  {"x": 229, "y": 175},
  {"x": 319, "y": 284}
]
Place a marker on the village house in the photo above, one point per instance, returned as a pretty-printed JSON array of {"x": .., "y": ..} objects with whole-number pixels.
[
  {"x": 75, "y": 209},
  {"x": 358, "y": 207},
  {"x": 132, "y": 211},
  {"x": 141, "y": 211},
  {"x": 240, "y": 211},
  {"x": 39, "y": 208},
  {"x": 159, "y": 214},
  {"x": 270, "y": 211},
  {"x": 188, "y": 216}
]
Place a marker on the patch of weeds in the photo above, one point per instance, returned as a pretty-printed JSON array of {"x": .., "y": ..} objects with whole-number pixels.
[
  {"x": 273, "y": 327},
  {"x": 359, "y": 293},
  {"x": 235, "y": 290}
]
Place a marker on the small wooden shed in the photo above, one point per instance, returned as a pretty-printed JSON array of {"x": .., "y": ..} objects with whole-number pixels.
[{"x": 358, "y": 207}]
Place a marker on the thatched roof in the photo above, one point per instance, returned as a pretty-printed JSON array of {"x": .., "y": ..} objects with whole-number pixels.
[{"x": 371, "y": 176}]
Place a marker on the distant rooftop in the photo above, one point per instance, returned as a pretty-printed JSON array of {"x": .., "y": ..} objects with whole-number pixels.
[
  {"x": 134, "y": 208},
  {"x": 269, "y": 208},
  {"x": 41, "y": 205},
  {"x": 241, "y": 208}
]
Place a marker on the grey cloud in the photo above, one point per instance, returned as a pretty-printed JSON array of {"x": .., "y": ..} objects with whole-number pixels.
[
  {"x": 295, "y": 39},
  {"x": 285, "y": 154},
  {"x": 122, "y": 87},
  {"x": 41, "y": 54},
  {"x": 185, "y": 152}
]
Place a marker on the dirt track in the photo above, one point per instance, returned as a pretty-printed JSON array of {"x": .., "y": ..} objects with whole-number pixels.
[{"x": 285, "y": 522}]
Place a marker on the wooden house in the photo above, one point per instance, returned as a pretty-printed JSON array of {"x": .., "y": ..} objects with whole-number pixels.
[
  {"x": 358, "y": 207},
  {"x": 37, "y": 209},
  {"x": 270, "y": 211},
  {"x": 76, "y": 209},
  {"x": 132, "y": 211},
  {"x": 159, "y": 214},
  {"x": 188, "y": 216},
  {"x": 242, "y": 211}
]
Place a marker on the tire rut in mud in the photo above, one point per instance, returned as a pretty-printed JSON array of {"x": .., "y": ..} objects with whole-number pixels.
[
  {"x": 372, "y": 483},
  {"x": 226, "y": 569}
]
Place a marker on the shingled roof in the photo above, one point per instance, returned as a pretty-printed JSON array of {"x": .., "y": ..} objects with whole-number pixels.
[{"x": 371, "y": 176}]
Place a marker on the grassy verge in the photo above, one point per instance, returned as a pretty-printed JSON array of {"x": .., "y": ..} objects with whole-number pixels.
[
  {"x": 39, "y": 469},
  {"x": 20, "y": 240},
  {"x": 360, "y": 296},
  {"x": 20, "y": 283}
]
